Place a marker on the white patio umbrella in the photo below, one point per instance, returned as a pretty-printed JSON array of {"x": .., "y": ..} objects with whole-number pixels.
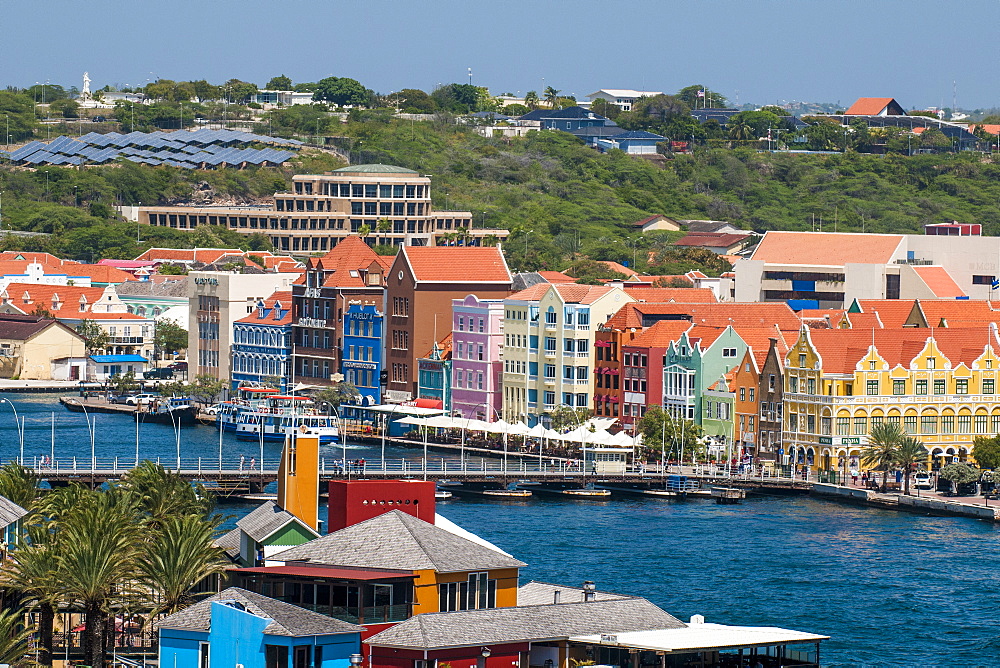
[
  {"x": 441, "y": 422},
  {"x": 538, "y": 431},
  {"x": 519, "y": 429},
  {"x": 416, "y": 421},
  {"x": 499, "y": 427}
]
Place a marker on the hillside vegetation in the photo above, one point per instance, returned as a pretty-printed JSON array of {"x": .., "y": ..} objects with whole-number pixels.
[{"x": 560, "y": 199}]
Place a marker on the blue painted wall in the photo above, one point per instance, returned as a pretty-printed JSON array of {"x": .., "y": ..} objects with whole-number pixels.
[
  {"x": 362, "y": 353},
  {"x": 237, "y": 637}
]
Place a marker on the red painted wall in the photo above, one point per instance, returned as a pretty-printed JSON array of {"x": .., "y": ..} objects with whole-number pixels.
[
  {"x": 501, "y": 656},
  {"x": 353, "y": 501}
]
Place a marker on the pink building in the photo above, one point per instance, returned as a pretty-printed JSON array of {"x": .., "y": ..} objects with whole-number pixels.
[{"x": 477, "y": 357}]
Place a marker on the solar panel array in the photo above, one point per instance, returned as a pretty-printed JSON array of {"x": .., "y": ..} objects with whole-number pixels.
[{"x": 200, "y": 149}]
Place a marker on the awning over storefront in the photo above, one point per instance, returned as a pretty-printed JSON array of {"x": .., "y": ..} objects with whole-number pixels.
[{"x": 701, "y": 637}]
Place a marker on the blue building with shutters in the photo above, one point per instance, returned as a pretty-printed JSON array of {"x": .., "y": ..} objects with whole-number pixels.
[
  {"x": 262, "y": 343},
  {"x": 237, "y": 627},
  {"x": 361, "y": 361}
]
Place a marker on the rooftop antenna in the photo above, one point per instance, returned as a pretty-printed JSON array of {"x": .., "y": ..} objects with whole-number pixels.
[{"x": 954, "y": 96}]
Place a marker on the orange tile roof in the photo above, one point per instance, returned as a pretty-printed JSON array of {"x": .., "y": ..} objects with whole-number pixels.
[
  {"x": 891, "y": 312},
  {"x": 100, "y": 273},
  {"x": 620, "y": 268},
  {"x": 758, "y": 340},
  {"x": 746, "y": 314},
  {"x": 705, "y": 335},
  {"x": 949, "y": 312},
  {"x": 660, "y": 335},
  {"x": 988, "y": 127},
  {"x": 869, "y": 106},
  {"x": 457, "y": 264},
  {"x": 842, "y": 349},
  {"x": 41, "y": 295},
  {"x": 44, "y": 259},
  {"x": 939, "y": 281},
  {"x": 862, "y": 321},
  {"x": 678, "y": 295},
  {"x": 445, "y": 346},
  {"x": 571, "y": 293},
  {"x": 826, "y": 249},
  {"x": 556, "y": 277},
  {"x": 712, "y": 239},
  {"x": 346, "y": 264},
  {"x": 282, "y": 297}
]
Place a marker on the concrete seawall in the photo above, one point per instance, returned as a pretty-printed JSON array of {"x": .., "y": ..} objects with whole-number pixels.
[{"x": 915, "y": 504}]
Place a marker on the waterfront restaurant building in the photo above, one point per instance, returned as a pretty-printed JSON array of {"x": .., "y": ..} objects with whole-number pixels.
[{"x": 393, "y": 204}]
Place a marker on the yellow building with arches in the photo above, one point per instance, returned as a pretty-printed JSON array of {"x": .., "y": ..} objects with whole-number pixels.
[{"x": 939, "y": 385}]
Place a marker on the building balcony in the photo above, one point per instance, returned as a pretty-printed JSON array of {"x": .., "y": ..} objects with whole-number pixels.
[{"x": 126, "y": 340}]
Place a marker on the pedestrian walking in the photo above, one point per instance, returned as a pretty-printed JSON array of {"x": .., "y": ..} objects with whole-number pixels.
[
  {"x": 253, "y": 463},
  {"x": 242, "y": 462}
]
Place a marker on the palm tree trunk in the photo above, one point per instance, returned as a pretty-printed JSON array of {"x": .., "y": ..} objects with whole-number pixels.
[
  {"x": 46, "y": 618},
  {"x": 885, "y": 480},
  {"x": 906, "y": 481},
  {"x": 93, "y": 634}
]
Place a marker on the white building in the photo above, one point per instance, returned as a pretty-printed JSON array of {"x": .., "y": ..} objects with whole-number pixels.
[{"x": 623, "y": 98}]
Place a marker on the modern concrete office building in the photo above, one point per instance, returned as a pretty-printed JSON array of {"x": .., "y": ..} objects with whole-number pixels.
[
  {"x": 217, "y": 300},
  {"x": 831, "y": 270},
  {"x": 391, "y": 204}
]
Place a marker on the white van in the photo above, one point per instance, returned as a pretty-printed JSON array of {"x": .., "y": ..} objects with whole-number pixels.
[{"x": 923, "y": 480}]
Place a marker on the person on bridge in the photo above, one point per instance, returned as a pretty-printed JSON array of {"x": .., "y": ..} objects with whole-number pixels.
[
  {"x": 253, "y": 463},
  {"x": 241, "y": 462}
]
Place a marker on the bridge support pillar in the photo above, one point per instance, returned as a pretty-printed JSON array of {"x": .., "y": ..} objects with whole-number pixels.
[{"x": 255, "y": 486}]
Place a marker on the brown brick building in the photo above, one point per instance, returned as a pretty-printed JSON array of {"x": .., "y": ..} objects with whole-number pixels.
[{"x": 419, "y": 288}]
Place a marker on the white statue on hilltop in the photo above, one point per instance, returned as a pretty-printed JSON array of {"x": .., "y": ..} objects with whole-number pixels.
[{"x": 85, "y": 93}]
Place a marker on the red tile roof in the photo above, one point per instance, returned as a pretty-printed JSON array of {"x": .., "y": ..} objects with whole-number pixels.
[
  {"x": 939, "y": 281},
  {"x": 571, "y": 293},
  {"x": 284, "y": 298},
  {"x": 457, "y": 264},
  {"x": 27, "y": 296},
  {"x": 826, "y": 249},
  {"x": 677, "y": 295},
  {"x": 44, "y": 259},
  {"x": 712, "y": 239},
  {"x": 347, "y": 264},
  {"x": 988, "y": 127},
  {"x": 957, "y": 312},
  {"x": 891, "y": 312},
  {"x": 556, "y": 277},
  {"x": 100, "y": 273},
  {"x": 869, "y": 106},
  {"x": 842, "y": 349},
  {"x": 660, "y": 335}
]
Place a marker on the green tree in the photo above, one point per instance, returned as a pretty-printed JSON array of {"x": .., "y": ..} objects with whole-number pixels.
[
  {"x": 414, "y": 101},
  {"x": 881, "y": 453},
  {"x": 238, "y": 91},
  {"x": 959, "y": 474},
  {"x": 159, "y": 495},
  {"x": 15, "y": 639},
  {"x": 563, "y": 417},
  {"x": 280, "y": 82},
  {"x": 98, "y": 553},
  {"x": 169, "y": 337},
  {"x": 986, "y": 451},
  {"x": 18, "y": 116},
  {"x": 94, "y": 336},
  {"x": 124, "y": 383},
  {"x": 605, "y": 108},
  {"x": 66, "y": 108},
  {"x": 551, "y": 97},
  {"x": 343, "y": 91},
  {"x": 531, "y": 99},
  {"x": 457, "y": 98},
  {"x": 33, "y": 572},
  {"x": 690, "y": 96},
  {"x": 206, "y": 388},
  {"x": 663, "y": 433},
  {"x": 19, "y": 484},
  {"x": 180, "y": 555},
  {"x": 336, "y": 395},
  {"x": 910, "y": 453}
]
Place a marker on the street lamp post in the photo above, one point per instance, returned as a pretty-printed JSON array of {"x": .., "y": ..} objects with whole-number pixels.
[{"x": 19, "y": 425}]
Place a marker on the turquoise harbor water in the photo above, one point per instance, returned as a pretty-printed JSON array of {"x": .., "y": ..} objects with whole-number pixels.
[{"x": 891, "y": 589}]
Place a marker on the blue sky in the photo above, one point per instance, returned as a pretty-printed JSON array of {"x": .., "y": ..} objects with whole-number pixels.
[{"x": 760, "y": 51}]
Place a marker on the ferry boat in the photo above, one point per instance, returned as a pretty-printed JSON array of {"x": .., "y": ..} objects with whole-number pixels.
[
  {"x": 246, "y": 399},
  {"x": 278, "y": 427}
]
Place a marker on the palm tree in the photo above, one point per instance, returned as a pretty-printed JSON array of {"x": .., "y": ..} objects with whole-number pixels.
[
  {"x": 383, "y": 227},
  {"x": 740, "y": 131},
  {"x": 882, "y": 448},
  {"x": 364, "y": 231},
  {"x": 15, "y": 639},
  {"x": 33, "y": 572},
  {"x": 180, "y": 556},
  {"x": 159, "y": 494},
  {"x": 531, "y": 99},
  {"x": 19, "y": 484},
  {"x": 909, "y": 453},
  {"x": 551, "y": 96},
  {"x": 99, "y": 547}
]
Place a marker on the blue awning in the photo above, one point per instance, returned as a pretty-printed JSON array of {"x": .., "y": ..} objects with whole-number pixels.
[{"x": 114, "y": 359}]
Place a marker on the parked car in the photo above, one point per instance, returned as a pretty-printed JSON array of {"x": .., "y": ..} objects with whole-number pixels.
[
  {"x": 164, "y": 373},
  {"x": 211, "y": 410},
  {"x": 122, "y": 398},
  {"x": 923, "y": 480},
  {"x": 178, "y": 366},
  {"x": 141, "y": 399}
]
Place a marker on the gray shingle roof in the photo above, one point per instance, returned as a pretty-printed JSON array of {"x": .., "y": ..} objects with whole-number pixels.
[
  {"x": 265, "y": 520},
  {"x": 10, "y": 512},
  {"x": 535, "y": 622},
  {"x": 286, "y": 619},
  {"x": 230, "y": 543},
  {"x": 395, "y": 540},
  {"x": 543, "y": 593}
]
